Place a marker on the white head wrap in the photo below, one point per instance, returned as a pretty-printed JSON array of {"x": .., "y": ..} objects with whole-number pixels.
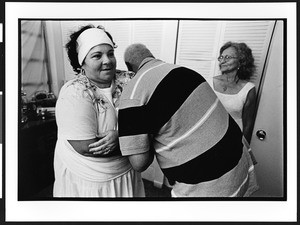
[{"x": 89, "y": 39}]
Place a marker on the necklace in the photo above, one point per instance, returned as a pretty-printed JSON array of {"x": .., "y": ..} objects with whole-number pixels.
[{"x": 225, "y": 86}]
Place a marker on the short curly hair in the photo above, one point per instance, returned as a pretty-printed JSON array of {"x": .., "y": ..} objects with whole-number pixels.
[
  {"x": 71, "y": 46},
  {"x": 246, "y": 59}
]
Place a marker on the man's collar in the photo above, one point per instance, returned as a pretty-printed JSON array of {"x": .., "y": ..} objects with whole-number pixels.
[{"x": 146, "y": 60}]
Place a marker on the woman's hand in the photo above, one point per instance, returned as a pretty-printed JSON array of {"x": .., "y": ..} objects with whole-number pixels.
[{"x": 107, "y": 143}]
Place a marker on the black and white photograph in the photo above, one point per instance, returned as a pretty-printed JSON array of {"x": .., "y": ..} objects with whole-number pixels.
[
  {"x": 1, "y": 101},
  {"x": 152, "y": 111}
]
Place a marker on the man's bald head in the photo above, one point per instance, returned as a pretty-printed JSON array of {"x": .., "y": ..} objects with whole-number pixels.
[{"x": 135, "y": 54}]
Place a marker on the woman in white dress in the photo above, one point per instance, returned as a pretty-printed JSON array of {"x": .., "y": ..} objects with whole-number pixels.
[
  {"x": 86, "y": 113},
  {"x": 234, "y": 88}
]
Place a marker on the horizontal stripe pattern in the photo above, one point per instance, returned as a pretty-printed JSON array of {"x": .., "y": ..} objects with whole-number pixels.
[
  {"x": 139, "y": 79},
  {"x": 238, "y": 182},
  {"x": 236, "y": 193},
  {"x": 208, "y": 132},
  {"x": 189, "y": 132},
  {"x": 168, "y": 96},
  {"x": 213, "y": 163},
  {"x": 198, "y": 145}
]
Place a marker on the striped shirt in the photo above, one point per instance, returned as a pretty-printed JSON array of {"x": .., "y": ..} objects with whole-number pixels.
[{"x": 174, "y": 110}]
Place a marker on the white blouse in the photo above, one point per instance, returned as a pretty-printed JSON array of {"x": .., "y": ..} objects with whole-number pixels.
[{"x": 234, "y": 103}]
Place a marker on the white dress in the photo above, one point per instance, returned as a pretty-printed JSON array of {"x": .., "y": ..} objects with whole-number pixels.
[
  {"x": 82, "y": 111},
  {"x": 234, "y": 104}
]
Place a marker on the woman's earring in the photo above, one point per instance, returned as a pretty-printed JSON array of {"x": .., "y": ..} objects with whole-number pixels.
[{"x": 82, "y": 71}]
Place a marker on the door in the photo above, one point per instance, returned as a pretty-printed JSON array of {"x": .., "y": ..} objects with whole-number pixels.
[{"x": 268, "y": 149}]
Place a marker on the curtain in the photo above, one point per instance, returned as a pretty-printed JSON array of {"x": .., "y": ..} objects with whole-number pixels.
[{"x": 34, "y": 59}]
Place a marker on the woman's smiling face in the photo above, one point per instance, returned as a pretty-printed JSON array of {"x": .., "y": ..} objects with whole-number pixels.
[
  {"x": 100, "y": 65},
  {"x": 231, "y": 64}
]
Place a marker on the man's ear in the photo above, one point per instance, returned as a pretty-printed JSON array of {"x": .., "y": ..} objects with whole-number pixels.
[{"x": 129, "y": 67}]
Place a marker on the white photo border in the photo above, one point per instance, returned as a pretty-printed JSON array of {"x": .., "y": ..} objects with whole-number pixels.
[{"x": 145, "y": 210}]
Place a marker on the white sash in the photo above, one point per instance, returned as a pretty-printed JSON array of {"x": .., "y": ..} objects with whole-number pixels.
[{"x": 91, "y": 168}]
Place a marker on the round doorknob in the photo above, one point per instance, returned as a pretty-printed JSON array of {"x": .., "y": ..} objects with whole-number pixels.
[{"x": 261, "y": 135}]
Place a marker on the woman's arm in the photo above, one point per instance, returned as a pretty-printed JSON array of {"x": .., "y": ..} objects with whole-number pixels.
[
  {"x": 104, "y": 145},
  {"x": 248, "y": 114},
  {"x": 139, "y": 162},
  {"x": 81, "y": 146}
]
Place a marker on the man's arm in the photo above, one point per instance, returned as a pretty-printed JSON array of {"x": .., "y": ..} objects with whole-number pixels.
[{"x": 140, "y": 162}]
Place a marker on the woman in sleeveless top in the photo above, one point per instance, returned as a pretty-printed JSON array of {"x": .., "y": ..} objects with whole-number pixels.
[
  {"x": 86, "y": 113},
  {"x": 233, "y": 86}
]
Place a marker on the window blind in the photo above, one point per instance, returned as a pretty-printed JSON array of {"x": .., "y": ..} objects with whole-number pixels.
[
  {"x": 256, "y": 34},
  {"x": 200, "y": 41},
  {"x": 158, "y": 35},
  {"x": 197, "y": 45}
]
